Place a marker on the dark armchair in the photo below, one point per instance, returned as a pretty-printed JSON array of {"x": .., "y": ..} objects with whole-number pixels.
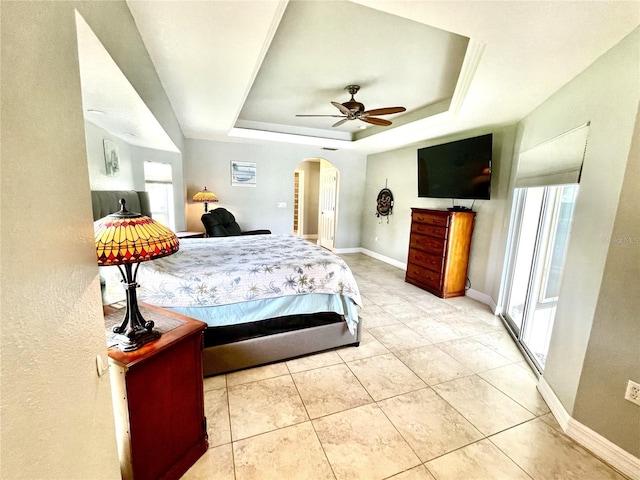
[{"x": 220, "y": 222}]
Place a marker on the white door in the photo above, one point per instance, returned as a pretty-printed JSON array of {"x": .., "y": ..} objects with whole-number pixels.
[{"x": 328, "y": 193}]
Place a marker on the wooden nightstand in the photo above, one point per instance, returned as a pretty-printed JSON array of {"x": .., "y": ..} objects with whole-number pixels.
[
  {"x": 158, "y": 398},
  {"x": 190, "y": 234}
]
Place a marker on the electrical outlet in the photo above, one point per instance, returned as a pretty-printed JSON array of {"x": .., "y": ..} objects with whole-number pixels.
[{"x": 633, "y": 392}]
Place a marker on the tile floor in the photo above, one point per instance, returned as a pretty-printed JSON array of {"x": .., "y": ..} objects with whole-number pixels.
[{"x": 436, "y": 390}]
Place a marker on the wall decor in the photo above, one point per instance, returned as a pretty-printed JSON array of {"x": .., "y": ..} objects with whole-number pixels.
[
  {"x": 384, "y": 204},
  {"x": 111, "y": 158},
  {"x": 243, "y": 174}
]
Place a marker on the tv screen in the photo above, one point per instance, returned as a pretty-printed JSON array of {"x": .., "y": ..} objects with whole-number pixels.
[{"x": 460, "y": 169}]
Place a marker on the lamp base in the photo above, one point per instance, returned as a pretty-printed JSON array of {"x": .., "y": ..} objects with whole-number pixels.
[
  {"x": 134, "y": 331},
  {"x": 142, "y": 337}
]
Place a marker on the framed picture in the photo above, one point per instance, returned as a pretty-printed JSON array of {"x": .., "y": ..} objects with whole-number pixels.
[
  {"x": 111, "y": 158},
  {"x": 243, "y": 174}
]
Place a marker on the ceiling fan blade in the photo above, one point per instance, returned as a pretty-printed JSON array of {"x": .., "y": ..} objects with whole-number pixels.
[
  {"x": 342, "y": 108},
  {"x": 339, "y": 122},
  {"x": 376, "y": 121},
  {"x": 385, "y": 111}
]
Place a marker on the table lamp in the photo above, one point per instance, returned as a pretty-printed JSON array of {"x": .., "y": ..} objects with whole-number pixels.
[
  {"x": 126, "y": 238},
  {"x": 205, "y": 196}
]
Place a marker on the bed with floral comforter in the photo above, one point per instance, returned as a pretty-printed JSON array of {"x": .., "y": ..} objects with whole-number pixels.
[{"x": 230, "y": 280}]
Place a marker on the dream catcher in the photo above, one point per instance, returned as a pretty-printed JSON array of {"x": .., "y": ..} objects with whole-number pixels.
[{"x": 384, "y": 204}]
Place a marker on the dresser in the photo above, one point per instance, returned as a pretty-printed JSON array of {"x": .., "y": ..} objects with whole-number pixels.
[
  {"x": 439, "y": 250},
  {"x": 158, "y": 398}
]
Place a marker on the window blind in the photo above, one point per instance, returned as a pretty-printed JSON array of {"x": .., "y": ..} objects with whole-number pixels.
[
  {"x": 155, "y": 172},
  {"x": 557, "y": 161}
]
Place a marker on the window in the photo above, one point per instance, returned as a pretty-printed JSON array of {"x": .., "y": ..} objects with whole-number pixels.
[
  {"x": 539, "y": 238},
  {"x": 159, "y": 184}
]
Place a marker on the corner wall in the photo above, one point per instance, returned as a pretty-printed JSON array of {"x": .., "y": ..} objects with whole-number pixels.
[
  {"x": 397, "y": 170},
  {"x": 57, "y": 418},
  {"x": 615, "y": 334},
  {"x": 606, "y": 94}
]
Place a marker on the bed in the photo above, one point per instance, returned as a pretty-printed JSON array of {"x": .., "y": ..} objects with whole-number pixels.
[{"x": 265, "y": 298}]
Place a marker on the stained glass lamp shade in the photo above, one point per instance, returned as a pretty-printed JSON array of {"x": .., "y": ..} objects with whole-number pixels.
[
  {"x": 125, "y": 239},
  {"x": 205, "y": 196}
]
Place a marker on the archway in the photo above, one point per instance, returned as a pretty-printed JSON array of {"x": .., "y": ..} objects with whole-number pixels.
[{"x": 315, "y": 202}]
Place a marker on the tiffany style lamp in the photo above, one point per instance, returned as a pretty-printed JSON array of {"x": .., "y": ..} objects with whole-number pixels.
[{"x": 126, "y": 239}]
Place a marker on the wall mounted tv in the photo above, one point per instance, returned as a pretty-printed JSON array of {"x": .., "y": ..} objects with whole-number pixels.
[{"x": 460, "y": 169}]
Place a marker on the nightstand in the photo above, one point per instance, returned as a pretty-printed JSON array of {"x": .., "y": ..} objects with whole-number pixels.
[
  {"x": 190, "y": 234},
  {"x": 158, "y": 398}
]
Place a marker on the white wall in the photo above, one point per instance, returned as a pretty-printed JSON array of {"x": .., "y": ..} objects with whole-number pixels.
[
  {"x": 98, "y": 178},
  {"x": 398, "y": 169},
  {"x": 131, "y": 176},
  {"x": 207, "y": 163},
  {"x": 57, "y": 419},
  {"x": 114, "y": 26}
]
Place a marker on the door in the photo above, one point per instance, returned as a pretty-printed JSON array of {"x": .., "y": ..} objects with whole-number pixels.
[
  {"x": 328, "y": 196},
  {"x": 539, "y": 237}
]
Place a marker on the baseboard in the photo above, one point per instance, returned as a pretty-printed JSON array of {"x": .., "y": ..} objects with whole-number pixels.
[
  {"x": 483, "y": 298},
  {"x": 558, "y": 410},
  {"x": 384, "y": 259},
  {"x": 340, "y": 251},
  {"x": 608, "y": 451}
]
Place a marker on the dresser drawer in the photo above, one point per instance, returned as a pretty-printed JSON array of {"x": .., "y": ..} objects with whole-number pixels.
[
  {"x": 429, "y": 229},
  {"x": 428, "y": 244},
  {"x": 430, "y": 218},
  {"x": 424, "y": 276},
  {"x": 423, "y": 259}
]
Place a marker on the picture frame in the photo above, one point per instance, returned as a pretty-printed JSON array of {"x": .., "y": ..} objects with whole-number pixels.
[
  {"x": 111, "y": 157},
  {"x": 243, "y": 174}
]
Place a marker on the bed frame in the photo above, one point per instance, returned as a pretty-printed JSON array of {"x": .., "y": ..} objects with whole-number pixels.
[
  {"x": 227, "y": 349},
  {"x": 296, "y": 336}
]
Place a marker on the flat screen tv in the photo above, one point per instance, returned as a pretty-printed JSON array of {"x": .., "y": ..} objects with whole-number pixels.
[{"x": 460, "y": 169}]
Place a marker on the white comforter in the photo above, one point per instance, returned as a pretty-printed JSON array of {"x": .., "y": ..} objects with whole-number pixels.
[{"x": 227, "y": 270}]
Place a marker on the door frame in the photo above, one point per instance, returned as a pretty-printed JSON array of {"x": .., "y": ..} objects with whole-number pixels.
[{"x": 301, "y": 197}]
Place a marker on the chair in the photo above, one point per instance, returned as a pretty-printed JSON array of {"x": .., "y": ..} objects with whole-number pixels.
[{"x": 220, "y": 222}]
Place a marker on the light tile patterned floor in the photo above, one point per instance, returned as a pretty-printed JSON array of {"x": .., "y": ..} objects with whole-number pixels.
[{"x": 436, "y": 390}]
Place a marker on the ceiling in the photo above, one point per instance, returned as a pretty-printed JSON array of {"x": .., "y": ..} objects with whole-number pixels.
[
  {"x": 110, "y": 101},
  {"x": 245, "y": 69}
]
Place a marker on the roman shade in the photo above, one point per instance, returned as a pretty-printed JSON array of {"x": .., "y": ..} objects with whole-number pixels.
[{"x": 557, "y": 161}]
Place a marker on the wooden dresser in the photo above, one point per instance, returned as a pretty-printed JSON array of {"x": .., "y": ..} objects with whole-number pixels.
[
  {"x": 439, "y": 250},
  {"x": 159, "y": 399}
]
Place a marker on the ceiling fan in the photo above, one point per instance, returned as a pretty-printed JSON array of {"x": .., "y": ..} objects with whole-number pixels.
[{"x": 353, "y": 110}]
